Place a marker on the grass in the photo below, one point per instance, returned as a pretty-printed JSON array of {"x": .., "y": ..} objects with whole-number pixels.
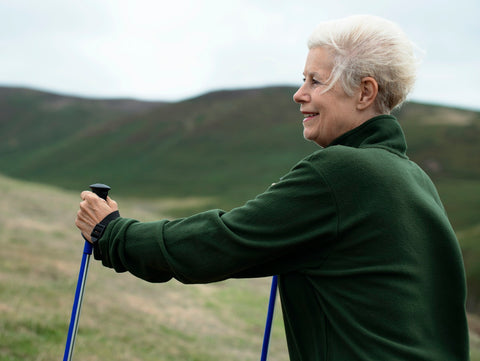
[{"x": 122, "y": 318}]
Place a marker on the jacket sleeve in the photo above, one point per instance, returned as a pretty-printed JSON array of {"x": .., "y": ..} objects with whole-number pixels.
[{"x": 288, "y": 227}]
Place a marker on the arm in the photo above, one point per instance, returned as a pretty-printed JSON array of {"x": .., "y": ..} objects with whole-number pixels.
[{"x": 286, "y": 228}]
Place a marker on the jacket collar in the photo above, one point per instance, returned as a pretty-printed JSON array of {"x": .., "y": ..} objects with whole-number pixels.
[{"x": 382, "y": 131}]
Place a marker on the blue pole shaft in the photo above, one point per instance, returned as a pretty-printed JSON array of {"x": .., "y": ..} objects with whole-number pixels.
[
  {"x": 268, "y": 324},
  {"x": 77, "y": 302}
]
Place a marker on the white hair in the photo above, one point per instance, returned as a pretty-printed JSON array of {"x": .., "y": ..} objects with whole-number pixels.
[{"x": 365, "y": 45}]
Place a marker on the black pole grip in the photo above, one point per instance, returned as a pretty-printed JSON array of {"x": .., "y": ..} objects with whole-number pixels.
[{"x": 100, "y": 190}]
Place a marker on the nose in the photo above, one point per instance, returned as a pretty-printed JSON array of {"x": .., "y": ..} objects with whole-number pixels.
[{"x": 301, "y": 96}]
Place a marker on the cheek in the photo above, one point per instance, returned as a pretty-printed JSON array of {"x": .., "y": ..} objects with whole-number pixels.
[{"x": 328, "y": 128}]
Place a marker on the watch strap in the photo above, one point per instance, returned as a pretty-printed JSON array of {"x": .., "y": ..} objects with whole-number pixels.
[{"x": 98, "y": 231}]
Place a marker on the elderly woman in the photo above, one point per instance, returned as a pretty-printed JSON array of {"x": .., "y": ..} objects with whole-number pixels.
[{"x": 368, "y": 263}]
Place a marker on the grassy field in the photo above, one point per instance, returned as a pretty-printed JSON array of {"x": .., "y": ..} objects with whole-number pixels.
[{"x": 122, "y": 318}]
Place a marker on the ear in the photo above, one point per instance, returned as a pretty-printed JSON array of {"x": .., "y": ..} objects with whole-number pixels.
[{"x": 368, "y": 93}]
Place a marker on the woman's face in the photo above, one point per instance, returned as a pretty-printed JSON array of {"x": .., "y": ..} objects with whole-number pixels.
[{"x": 326, "y": 115}]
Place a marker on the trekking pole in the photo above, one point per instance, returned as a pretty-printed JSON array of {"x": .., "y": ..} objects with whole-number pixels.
[
  {"x": 268, "y": 324},
  {"x": 100, "y": 190}
]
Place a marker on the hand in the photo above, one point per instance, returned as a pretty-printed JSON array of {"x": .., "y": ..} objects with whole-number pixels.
[{"x": 92, "y": 210}]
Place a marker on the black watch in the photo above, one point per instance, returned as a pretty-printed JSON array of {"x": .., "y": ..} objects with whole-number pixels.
[{"x": 98, "y": 231}]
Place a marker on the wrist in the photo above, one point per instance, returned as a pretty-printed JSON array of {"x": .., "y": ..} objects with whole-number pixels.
[{"x": 98, "y": 232}]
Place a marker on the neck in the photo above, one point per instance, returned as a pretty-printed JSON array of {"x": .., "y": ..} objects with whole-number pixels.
[{"x": 366, "y": 114}]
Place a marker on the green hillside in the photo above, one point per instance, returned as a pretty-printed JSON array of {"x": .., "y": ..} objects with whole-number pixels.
[
  {"x": 31, "y": 120},
  {"x": 33, "y": 123},
  {"x": 227, "y": 144},
  {"x": 225, "y": 147}
]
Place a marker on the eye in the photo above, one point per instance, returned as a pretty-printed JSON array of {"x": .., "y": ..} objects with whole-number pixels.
[{"x": 313, "y": 81}]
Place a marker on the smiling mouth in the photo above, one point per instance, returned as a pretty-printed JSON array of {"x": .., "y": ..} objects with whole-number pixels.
[{"x": 308, "y": 116}]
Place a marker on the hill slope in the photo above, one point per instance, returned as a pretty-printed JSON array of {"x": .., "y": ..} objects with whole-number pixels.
[
  {"x": 32, "y": 123},
  {"x": 226, "y": 145},
  {"x": 199, "y": 146}
]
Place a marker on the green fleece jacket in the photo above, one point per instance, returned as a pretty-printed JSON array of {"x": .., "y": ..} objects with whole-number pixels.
[{"x": 369, "y": 266}]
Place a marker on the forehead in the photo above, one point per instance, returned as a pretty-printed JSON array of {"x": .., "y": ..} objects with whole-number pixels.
[{"x": 319, "y": 60}]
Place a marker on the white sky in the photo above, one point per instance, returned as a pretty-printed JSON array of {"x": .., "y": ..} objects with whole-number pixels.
[{"x": 176, "y": 49}]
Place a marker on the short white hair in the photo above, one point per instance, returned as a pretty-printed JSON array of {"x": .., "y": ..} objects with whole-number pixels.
[{"x": 366, "y": 45}]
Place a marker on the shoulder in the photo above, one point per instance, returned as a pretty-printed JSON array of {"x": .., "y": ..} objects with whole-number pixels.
[
  {"x": 341, "y": 163},
  {"x": 339, "y": 155}
]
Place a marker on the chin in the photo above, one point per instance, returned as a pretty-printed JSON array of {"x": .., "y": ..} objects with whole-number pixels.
[
  {"x": 309, "y": 139},
  {"x": 308, "y": 135},
  {"x": 312, "y": 139}
]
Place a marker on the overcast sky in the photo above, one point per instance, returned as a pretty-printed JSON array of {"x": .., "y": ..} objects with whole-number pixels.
[{"x": 176, "y": 49}]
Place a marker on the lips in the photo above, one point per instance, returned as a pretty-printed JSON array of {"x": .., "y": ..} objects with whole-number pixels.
[{"x": 308, "y": 116}]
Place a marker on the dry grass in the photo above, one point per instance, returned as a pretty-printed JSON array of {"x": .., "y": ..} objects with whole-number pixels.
[{"x": 123, "y": 318}]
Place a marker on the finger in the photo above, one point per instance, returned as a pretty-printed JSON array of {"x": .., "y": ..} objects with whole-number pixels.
[
  {"x": 80, "y": 221},
  {"x": 85, "y": 207},
  {"x": 111, "y": 203},
  {"x": 85, "y": 217},
  {"x": 90, "y": 208},
  {"x": 82, "y": 225},
  {"x": 85, "y": 194},
  {"x": 92, "y": 199}
]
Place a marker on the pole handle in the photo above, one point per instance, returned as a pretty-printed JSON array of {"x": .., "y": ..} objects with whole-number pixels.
[{"x": 100, "y": 190}]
